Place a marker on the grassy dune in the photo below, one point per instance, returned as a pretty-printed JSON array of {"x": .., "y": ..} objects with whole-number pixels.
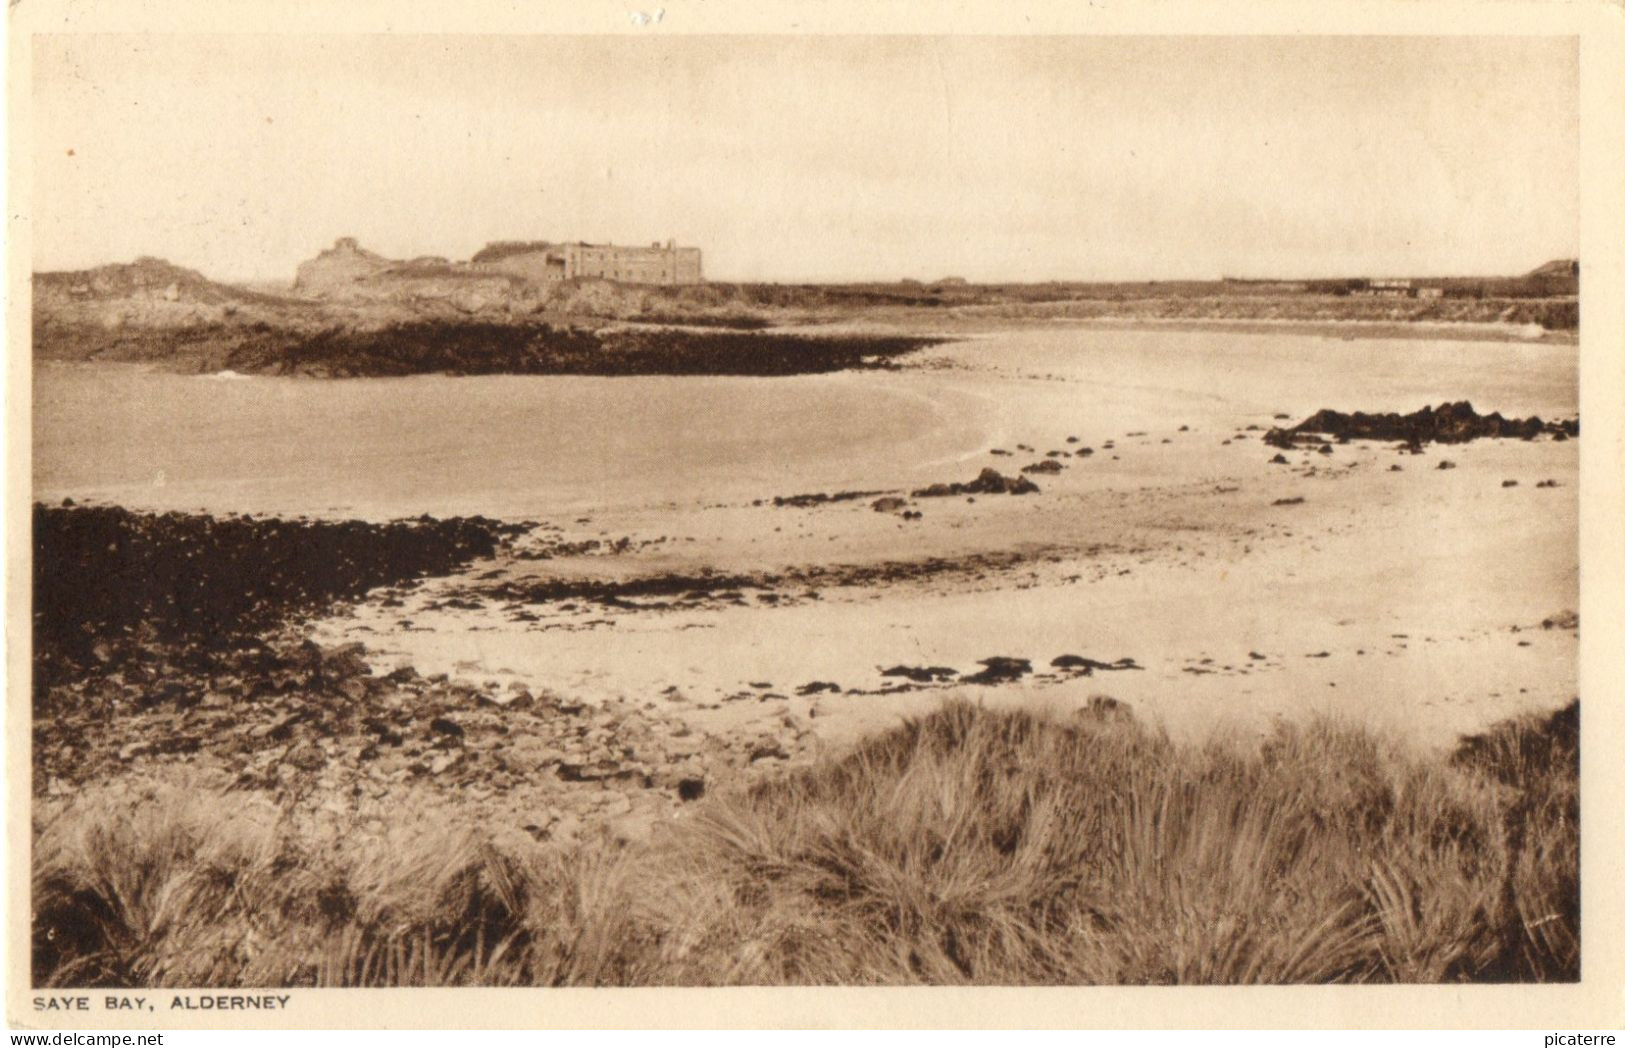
[{"x": 969, "y": 846}]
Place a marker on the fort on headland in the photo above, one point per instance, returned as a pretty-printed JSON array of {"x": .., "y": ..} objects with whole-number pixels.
[{"x": 348, "y": 268}]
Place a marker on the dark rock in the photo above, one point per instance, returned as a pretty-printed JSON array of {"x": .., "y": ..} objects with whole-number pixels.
[
  {"x": 1509, "y": 483},
  {"x": 1084, "y": 666},
  {"x": 202, "y": 585},
  {"x": 1563, "y": 620},
  {"x": 921, "y": 674},
  {"x": 989, "y": 482},
  {"x": 814, "y": 687},
  {"x": 1446, "y": 464},
  {"x": 1000, "y": 669},
  {"x": 1279, "y": 460},
  {"x": 1047, "y": 466},
  {"x": 344, "y": 661},
  {"x": 803, "y": 501},
  {"x": 385, "y": 732},
  {"x": 1449, "y": 423},
  {"x": 446, "y": 726},
  {"x": 889, "y": 504}
]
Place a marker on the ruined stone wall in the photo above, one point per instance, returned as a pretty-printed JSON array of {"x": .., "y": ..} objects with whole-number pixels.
[
  {"x": 539, "y": 266},
  {"x": 337, "y": 270}
]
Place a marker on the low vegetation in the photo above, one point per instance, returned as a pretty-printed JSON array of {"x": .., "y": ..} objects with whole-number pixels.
[{"x": 969, "y": 846}]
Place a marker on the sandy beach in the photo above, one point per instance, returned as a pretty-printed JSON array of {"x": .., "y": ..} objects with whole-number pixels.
[
  {"x": 1409, "y": 598},
  {"x": 1375, "y": 586}
]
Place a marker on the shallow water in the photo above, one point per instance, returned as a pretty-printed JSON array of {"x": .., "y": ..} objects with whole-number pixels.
[
  {"x": 535, "y": 445},
  {"x": 502, "y": 445}
]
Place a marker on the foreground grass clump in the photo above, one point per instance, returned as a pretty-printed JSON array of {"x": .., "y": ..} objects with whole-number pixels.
[{"x": 970, "y": 846}]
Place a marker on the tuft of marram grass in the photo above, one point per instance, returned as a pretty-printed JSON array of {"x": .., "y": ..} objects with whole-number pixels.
[{"x": 967, "y": 846}]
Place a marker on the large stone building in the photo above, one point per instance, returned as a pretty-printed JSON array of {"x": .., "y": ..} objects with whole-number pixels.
[
  {"x": 347, "y": 269},
  {"x": 544, "y": 261}
]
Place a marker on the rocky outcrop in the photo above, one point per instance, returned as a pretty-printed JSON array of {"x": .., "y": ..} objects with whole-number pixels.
[
  {"x": 110, "y": 584},
  {"x": 820, "y": 498},
  {"x": 296, "y": 718},
  {"x": 339, "y": 270},
  {"x": 172, "y": 639},
  {"x": 147, "y": 295},
  {"x": 1000, "y": 669},
  {"x": 1449, "y": 423},
  {"x": 989, "y": 482}
]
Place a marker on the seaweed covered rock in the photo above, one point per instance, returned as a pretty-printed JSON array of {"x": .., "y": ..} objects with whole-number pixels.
[
  {"x": 989, "y": 482},
  {"x": 1449, "y": 423},
  {"x": 109, "y": 580}
]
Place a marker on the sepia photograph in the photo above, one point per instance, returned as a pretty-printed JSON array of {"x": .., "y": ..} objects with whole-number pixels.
[{"x": 659, "y": 509}]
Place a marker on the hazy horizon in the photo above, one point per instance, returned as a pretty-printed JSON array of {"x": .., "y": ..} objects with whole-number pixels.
[{"x": 817, "y": 159}]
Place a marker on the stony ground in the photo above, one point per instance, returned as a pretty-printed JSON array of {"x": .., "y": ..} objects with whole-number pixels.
[{"x": 314, "y": 729}]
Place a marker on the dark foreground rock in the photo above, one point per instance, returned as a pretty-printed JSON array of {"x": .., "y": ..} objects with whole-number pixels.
[
  {"x": 109, "y": 582},
  {"x": 1449, "y": 423}
]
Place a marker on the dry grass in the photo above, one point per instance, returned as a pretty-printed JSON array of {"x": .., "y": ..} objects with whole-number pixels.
[{"x": 970, "y": 846}]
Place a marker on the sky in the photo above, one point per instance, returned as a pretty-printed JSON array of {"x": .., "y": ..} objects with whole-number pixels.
[{"x": 817, "y": 158}]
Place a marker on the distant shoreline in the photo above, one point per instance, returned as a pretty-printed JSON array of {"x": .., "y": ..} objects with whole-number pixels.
[{"x": 1449, "y": 330}]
